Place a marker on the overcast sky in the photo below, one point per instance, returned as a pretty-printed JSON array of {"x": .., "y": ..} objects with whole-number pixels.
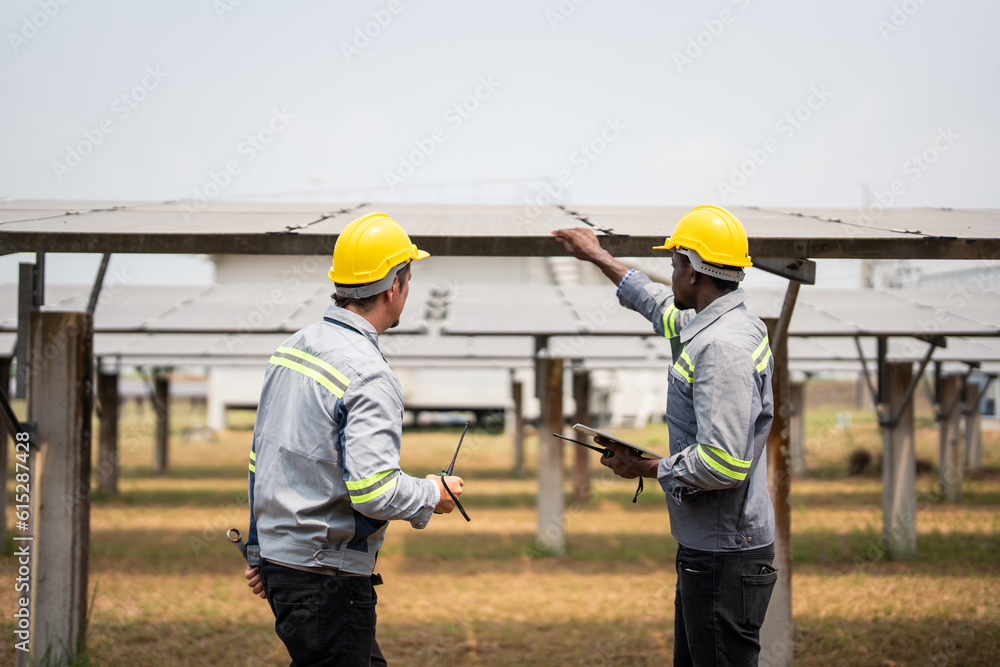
[{"x": 761, "y": 102}]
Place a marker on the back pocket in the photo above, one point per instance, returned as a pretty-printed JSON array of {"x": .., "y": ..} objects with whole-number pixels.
[{"x": 757, "y": 590}]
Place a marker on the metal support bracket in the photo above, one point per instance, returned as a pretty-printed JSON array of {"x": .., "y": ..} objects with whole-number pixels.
[
  {"x": 943, "y": 414},
  {"x": 897, "y": 413},
  {"x": 970, "y": 407},
  {"x": 888, "y": 417},
  {"x": 868, "y": 376},
  {"x": 13, "y": 424},
  {"x": 98, "y": 283},
  {"x": 798, "y": 270},
  {"x": 936, "y": 341}
]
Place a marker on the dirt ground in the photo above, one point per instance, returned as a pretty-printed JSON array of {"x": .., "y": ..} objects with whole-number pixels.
[{"x": 167, "y": 588}]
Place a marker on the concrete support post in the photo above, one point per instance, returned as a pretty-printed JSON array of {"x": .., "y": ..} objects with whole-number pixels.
[
  {"x": 949, "y": 421},
  {"x": 161, "y": 405},
  {"x": 551, "y": 504},
  {"x": 517, "y": 394},
  {"x": 107, "y": 451},
  {"x": 798, "y": 428},
  {"x": 581, "y": 469},
  {"x": 899, "y": 468},
  {"x": 973, "y": 429},
  {"x": 60, "y": 399},
  {"x": 777, "y": 633}
]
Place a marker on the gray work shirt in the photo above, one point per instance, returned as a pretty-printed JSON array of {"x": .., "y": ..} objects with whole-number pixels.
[
  {"x": 719, "y": 412},
  {"x": 324, "y": 467}
]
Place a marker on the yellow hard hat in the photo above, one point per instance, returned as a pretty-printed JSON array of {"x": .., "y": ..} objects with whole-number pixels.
[
  {"x": 369, "y": 248},
  {"x": 714, "y": 233}
]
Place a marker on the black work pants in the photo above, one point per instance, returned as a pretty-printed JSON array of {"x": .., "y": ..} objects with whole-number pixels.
[
  {"x": 721, "y": 600},
  {"x": 323, "y": 620}
]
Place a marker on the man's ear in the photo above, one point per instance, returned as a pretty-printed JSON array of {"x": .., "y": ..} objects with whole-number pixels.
[
  {"x": 397, "y": 286},
  {"x": 394, "y": 291}
]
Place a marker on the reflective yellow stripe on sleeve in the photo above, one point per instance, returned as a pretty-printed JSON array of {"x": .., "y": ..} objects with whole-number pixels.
[
  {"x": 253, "y": 460},
  {"x": 762, "y": 355},
  {"x": 736, "y": 469},
  {"x": 372, "y": 487},
  {"x": 670, "y": 322}
]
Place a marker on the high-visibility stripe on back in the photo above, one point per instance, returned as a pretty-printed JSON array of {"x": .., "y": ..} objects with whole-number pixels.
[{"x": 311, "y": 367}]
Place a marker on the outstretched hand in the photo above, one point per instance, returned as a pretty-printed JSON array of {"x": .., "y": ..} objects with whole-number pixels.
[{"x": 580, "y": 242}]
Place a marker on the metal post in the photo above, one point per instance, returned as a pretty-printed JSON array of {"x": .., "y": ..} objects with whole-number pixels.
[
  {"x": 4, "y": 439},
  {"x": 949, "y": 420},
  {"x": 161, "y": 406},
  {"x": 60, "y": 401},
  {"x": 39, "y": 279},
  {"x": 881, "y": 397},
  {"x": 777, "y": 633},
  {"x": 973, "y": 428},
  {"x": 797, "y": 434},
  {"x": 26, "y": 300},
  {"x": 899, "y": 465},
  {"x": 517, "y": 393},
  {"x": 551, "y": 537},
  {"x": 107, "y": 453},
  {"x": 581, "y": 469}
]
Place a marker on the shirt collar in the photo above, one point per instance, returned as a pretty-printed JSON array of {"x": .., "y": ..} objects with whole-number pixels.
[
  {"x": 343, "y": 317},
  {"x": 714, "y": 311}
]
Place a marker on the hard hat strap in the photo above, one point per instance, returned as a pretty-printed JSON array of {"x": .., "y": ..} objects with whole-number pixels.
[
  {"x": 370, "y": 289},
  {"x": 714, "y": 270}
]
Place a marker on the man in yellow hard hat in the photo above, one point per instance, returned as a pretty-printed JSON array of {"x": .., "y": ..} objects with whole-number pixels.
[
  {"x": 719, "y": 411},
  {"x": 324, "y": 476}
]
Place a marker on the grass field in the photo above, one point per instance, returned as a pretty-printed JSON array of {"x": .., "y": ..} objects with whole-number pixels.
[{"x": 168, "y": 588}]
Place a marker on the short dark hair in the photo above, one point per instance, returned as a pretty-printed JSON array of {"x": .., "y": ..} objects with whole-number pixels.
[
  {"x": 720, "y": 284},
  {"x": 365, "y": 304}
]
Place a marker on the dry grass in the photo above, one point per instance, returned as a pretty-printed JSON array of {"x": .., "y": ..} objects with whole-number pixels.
[{"x": 170, "y": 589}]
